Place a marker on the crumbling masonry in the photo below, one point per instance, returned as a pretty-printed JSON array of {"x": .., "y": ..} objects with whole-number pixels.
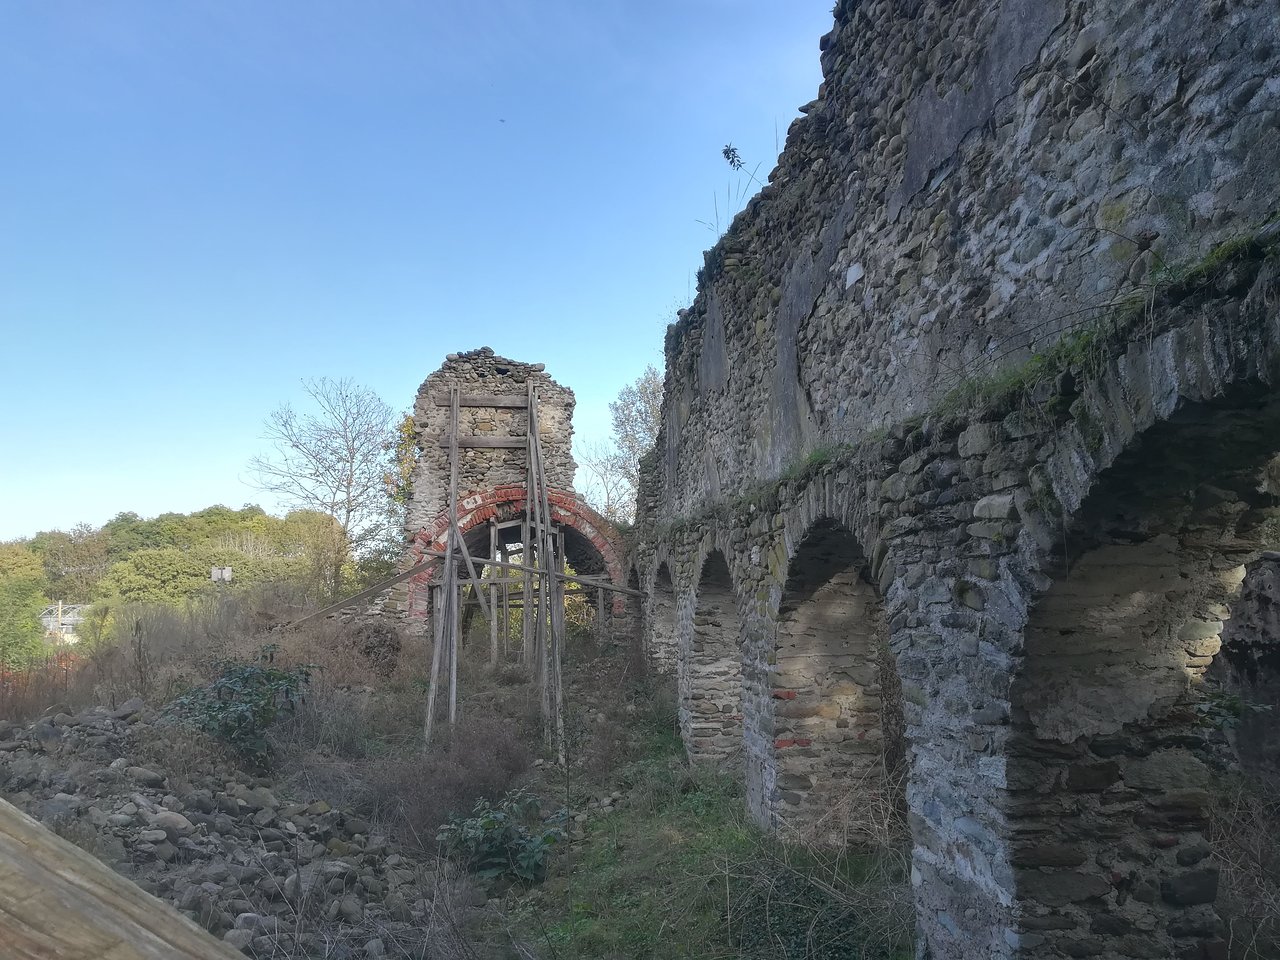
[
  {"x": 493, "y": 422},
  {"x": 969, "y": 441}
]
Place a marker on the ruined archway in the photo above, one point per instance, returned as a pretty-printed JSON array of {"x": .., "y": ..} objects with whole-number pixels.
[
  {"x": 711, "y": 668},
  {"x": 837, "y": 716},
  {"x": 1111, "y": 768},
  {"x": 588, "y": 542},
  {"x": 660, "y": 640}
]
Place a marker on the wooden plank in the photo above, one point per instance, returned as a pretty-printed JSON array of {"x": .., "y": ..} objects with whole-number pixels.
[
  {"x": 451, "y": 564},
  {"x": 493, "y": 600},
  {"x": 438, "y": 555},
  {"x": 466, "y": 555},
  {"x": 512, "y": 402},
  {"x": 367, "y": 594},
  {"x": 59, "y": 903},
  {"x": 437, "y": 655},
  {"x": 484, "y": 443}
]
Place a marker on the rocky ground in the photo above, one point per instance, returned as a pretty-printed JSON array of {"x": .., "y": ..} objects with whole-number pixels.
[{"x": 272, "y": 875}]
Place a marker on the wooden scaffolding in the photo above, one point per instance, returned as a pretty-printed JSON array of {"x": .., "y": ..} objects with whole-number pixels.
[
  {"x": 542, "y": 582},
  {"x": 541, "y": 577}
]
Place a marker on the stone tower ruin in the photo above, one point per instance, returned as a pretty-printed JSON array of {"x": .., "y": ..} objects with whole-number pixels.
[{"x": 494, "y": 410}]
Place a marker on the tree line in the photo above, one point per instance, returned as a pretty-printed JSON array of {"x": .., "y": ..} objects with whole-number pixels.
[{"x": 342, "y": 468}]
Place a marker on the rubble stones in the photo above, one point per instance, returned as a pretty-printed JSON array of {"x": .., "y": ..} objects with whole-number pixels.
[{"x": 200, "y": 845}]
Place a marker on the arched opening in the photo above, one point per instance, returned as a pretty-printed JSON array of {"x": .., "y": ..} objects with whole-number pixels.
[
  {"x": 837, "y": 712},
  {"x": 660, "y": 625},
  {"x": 711, "y": 669},
  {"x": 493, "y": 530},
  {"x": 628, "y": 630},
  {"x": 1115, "y": 765}
]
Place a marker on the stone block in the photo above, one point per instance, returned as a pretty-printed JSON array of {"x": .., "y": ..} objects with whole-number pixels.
[
  {"x": 1190, "y": 888},
  {"x": 1056, "y": 888}
]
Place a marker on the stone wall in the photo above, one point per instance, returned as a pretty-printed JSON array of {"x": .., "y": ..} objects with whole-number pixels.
[
  {"x": 1006, "y": 314},
  {"x": 483, "y": 372},
  {"x": 972, "y": 180},
  {"x": 1052, "y": 584},
  {"x": 1249, "y": 667},
  {"x": 492, "y": 491}
]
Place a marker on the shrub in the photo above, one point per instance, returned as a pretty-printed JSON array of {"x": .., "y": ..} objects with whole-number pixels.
[
  {"x": 495, "y": 840},
  {"x": 1244, "y": 831},
  {"x": 423, "y": 790},
  {"x": 242, "y": 701}
]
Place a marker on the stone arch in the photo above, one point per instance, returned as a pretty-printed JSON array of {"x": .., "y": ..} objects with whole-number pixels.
[
  {"x": 659, "y": 632},
  {"x": 591, "y": 543},
  {"x": 1107, "y": 774},
  {"x": 710, "y": 674},
  {"x": 628, "y": 629},
  {"x": 837, "y": 719}
]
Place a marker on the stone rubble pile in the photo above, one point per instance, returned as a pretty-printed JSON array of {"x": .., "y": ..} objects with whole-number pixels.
[{"x": 270, "y": 876}]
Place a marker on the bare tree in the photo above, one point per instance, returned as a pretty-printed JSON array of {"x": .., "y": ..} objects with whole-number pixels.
[
  {"x": 334, "y": 460},
  {"x": 610, "y": 472},
  {"x": 636, "y": 415},
  {"x": 603, "y": 478}
]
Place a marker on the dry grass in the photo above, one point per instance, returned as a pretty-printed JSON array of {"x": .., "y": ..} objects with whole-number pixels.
[
  {"x": 158, "y": 652},
  {"x": 183, "y": 753},
  {"x": 356, "y": 739},
  {"x": 870, "y": 814},
  {"x": 836, "y": 888}
]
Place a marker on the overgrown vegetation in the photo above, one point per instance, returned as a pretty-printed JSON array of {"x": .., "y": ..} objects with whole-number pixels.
[
  {"x": 1245, "y": 836},
  {"x": 679, "y": 872},
  {"x": 502, "y": 839},
  {"x": 243, "y": 700}
]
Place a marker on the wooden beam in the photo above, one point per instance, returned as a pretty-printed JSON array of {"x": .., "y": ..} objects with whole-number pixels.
[
  {"x": 485, "y": 443},
  {"x": 437, "y": 555},
  {"x": 510, "y": 402},
  {"x": 59, "y": 903},
  {"x": 370, "y": 593}
]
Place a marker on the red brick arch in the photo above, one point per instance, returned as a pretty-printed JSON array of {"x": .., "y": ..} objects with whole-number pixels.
[{"x": 478, "y": 508}]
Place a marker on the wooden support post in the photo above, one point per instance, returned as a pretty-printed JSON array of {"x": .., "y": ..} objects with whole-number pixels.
[
  {"x": 453, "y": 660},
  {"x": 600, "y": 631},
  {"x": 437, "y": 655},
  {"x": 493, "y": 599},
  {"x": 506, "y": 606},
  {"x": 449, "y": 588},
  {"x": 526, "y": 613}
]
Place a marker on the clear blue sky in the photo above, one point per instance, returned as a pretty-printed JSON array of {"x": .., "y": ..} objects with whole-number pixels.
[{"x": 204, "y": 201}]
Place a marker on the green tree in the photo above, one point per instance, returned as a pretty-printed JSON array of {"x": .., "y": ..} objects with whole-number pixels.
[
  {"x": 22, "y": 598},
  {"x": 171, "y": 574},
  {"x": 636, "y": 415},
  {"x": 610, "y": 472},
  {"x": 74, "y": 560}
]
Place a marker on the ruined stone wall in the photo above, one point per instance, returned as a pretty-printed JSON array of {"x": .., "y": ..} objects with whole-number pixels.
[
  {"x": 973, "y": 179},
  {"x": 1017, "y": 263},
  {"x": 480, "y": 469},
  {"x": 1056, "y": 805}
]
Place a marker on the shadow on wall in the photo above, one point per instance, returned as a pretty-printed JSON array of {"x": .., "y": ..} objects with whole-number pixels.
[
  {"x": 1112, "y": 771},
  {"x": 711, "y": 669},
  {"x": 837, "y": 710},
  {"x": 661, "y": 644}
]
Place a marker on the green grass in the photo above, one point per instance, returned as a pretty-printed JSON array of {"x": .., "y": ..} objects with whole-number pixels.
[
  {"x": 680, "y": 874},
  {"x": 647, "y": 881}
]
